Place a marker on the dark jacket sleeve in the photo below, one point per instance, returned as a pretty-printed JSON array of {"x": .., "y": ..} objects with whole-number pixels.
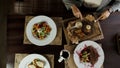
[{"x": 68, "y": 4}]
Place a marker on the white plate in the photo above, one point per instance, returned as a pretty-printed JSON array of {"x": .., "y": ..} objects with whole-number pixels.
[
  {"x": 49, "y": 38},
  {"x": 28, "y": 59},
  {"x": 80, "y": 47}
]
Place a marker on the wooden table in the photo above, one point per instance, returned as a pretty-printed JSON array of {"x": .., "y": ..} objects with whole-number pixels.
[
  {"x": 15, "y": 36},
  {"x": 110, "y": 27},
  {"x": 15, "y": 33}
]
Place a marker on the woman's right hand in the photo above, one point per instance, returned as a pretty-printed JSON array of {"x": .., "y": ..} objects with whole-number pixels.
[{"x": 76, "y": 12}]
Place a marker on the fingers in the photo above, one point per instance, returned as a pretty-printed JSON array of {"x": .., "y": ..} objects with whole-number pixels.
[
  {"x": 78, "y": 15},
  {"x": 76, "y": 12},
  {"x": 104, "y": 15},
  {"x": 81, "y": 18},
  {"x": 101, "y": 17}
]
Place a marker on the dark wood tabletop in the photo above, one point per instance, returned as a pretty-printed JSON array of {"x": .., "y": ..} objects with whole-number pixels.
[{"x": 54, "y": 8}]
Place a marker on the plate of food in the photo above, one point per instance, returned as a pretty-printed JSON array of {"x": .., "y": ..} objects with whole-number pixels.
[
  {"x": 88, "y": 54},
  {"x": 41, "y": 30},
  {"x": 77, "y": 30},
  {"x": 34, "y": 61}
]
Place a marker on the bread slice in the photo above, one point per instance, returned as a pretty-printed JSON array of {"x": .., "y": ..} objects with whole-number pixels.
[
  {"x": 31, "y": 66},
  {"x": 40, "y": 64}
]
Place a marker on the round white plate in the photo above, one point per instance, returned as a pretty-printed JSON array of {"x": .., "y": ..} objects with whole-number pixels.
[
  {"x": 49, "y": 38},
  {"x": 80, "y": 47},
  {"x": 28, "y": 59}
]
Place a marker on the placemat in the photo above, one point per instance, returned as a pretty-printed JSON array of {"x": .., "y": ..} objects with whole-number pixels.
[
  {"x": 58, "y": 38},
  {"x": 70, "y": 63},
  {"x": 19, "y": 57},
  {"x": 97, "y": 35}
]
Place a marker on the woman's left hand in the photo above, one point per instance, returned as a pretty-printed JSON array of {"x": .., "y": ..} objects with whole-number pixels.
[{"x": 104, "y": 15}]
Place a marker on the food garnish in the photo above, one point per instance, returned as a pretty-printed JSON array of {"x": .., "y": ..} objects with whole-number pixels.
[
  {"x": 41, "y": 30},
  {"x": 89, "y": 54},
  {"x": 36, "y": 63}
]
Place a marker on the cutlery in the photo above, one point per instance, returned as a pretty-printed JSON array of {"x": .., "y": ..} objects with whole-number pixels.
[{"x": 97, "y": 19}]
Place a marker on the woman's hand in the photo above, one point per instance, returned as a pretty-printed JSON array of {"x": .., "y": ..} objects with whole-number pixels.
[
  {"x": 76, "y": 12},
  {"x": 104, "y": 15}
]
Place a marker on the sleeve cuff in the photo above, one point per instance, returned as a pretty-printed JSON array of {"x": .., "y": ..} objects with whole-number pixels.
[{"x": 110, "y": 10}]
